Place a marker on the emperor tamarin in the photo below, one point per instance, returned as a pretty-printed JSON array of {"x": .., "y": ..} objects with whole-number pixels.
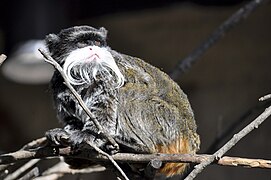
[{"x": 136, "y": 104}]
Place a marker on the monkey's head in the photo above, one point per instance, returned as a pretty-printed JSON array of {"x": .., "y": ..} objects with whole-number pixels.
[{"x": 84, "y": 55}]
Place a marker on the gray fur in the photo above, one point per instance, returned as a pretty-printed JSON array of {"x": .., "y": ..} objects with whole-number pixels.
[{"x": 147, "y": 111}]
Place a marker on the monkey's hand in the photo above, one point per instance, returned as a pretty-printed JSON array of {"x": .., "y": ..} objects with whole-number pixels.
[
  {"x": 82, "y": 140},
  {"x": 78, "y": 139},
  {"x": 57, "y": 137}
]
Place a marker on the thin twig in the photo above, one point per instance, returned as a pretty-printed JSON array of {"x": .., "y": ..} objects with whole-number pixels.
[
  {"x": 235, "y": 139},
  {"x": 186, "y": 63},
  {"x": 246, "y": 162},
  {"x": 61, "y": 168},
  {"x": 31, "y": 145},
  {"x": 110, "y": 158},
  {"x": 3, "y": 57},
  {"x": 35, "y": 143},
  {"x": 31, "y": 174},
  {"x": 51, "y": 61},
  {"x": 268, "y": 96},
  {"x": 235, "y": 127},
  {"x": 50, "y": 177}
]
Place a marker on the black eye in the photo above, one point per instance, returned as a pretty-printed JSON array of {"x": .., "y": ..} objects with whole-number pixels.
[
  {"x": 97, "y": 43},
  {"x": 83, "y": 42}
]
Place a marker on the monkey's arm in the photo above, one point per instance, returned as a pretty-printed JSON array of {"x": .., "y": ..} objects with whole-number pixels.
[{"x": 65, "y": 108}]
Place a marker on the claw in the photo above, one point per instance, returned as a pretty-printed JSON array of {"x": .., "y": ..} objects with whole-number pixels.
[{"x": 112, "y": 149}]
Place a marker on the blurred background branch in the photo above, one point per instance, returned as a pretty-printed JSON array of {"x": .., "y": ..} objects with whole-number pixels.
[{"x": 185, "y": 64}]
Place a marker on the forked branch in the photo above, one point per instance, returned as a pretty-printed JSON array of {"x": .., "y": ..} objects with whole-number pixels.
[{"x": 235, "y": 139}]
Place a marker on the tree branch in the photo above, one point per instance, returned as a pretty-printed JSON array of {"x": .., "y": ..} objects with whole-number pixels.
[
  {"x": 22, "y": 169},
  {"x": 235, "y": 139},
  {"x": 61, "y": 168},
  {"x": 31, "y": 174},
  {"x": 51, "y": 152},
  {"x": 35, "y": 143},
  {"x": 235, "y": 126},
  {"x": 268, "y": 96},
  {"x": 108, "y": 157},
  {"x": 31, "y": 145},
  {"x": 186, "y": 63},
  {"x": 3, "y": 57}
]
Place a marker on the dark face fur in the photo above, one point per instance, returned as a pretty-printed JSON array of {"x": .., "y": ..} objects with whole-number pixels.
[
  {"x": 67, "y": 40},
  {"x": 84, "y": 55}
]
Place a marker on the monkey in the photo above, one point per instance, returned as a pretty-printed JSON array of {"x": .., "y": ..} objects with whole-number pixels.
[{"x": 137, "y": 104}]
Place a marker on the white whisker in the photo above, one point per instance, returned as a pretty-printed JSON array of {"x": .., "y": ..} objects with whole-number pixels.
[{"x": 83, "y": 67}]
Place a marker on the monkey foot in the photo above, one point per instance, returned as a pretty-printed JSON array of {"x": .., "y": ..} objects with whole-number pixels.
[{"x": 57, "y": 137}]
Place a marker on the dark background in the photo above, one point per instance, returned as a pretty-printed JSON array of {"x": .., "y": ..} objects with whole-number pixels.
[{"x": 223, "y": 87}]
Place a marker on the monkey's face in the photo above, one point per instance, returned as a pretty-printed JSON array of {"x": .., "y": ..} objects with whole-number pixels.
[{"x": 84, "y": 55}]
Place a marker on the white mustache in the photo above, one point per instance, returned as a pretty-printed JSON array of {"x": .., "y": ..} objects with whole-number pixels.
[{"x": 87, "y": 64}]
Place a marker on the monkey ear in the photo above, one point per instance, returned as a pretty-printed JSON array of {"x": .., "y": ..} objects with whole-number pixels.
[
  {"x": 103, "y": 32},
  {"x": 51, "y": 41}
]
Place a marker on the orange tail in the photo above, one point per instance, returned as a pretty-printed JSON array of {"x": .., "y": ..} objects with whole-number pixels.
[{"x": 180, "y": 146}]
